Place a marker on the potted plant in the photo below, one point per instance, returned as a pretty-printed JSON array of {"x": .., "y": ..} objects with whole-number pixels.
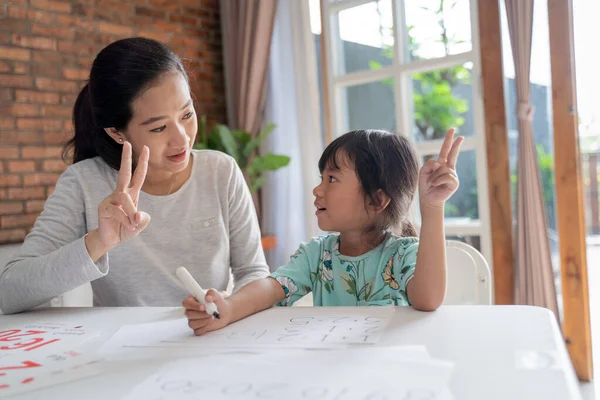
[{"x": 242, "y": 147}]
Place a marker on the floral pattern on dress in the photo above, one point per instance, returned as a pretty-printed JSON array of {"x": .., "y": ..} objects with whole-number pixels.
[
  {"x": 378, "y": 277},
  {"x": 324, "y": 273},
  {"x": 289, "y": 288}
]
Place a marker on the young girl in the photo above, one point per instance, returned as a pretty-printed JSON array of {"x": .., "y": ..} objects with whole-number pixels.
[{"x": 369, "y": 178}]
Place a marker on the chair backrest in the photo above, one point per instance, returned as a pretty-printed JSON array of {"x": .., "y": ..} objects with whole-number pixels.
[
  {"x": 469, "y": 277},
  {"x": 81, "y": 296}
]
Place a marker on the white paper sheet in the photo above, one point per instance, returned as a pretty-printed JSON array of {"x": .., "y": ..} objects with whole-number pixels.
[
  {"x": 310, "y": 374},
  {"x": 331, "y": 357},
  {"x": 446, "y": 395},
  {"x": 314, "y": 327}
]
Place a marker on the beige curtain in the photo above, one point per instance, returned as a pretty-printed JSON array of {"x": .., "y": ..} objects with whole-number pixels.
[
  {"x": 534, "y": 277},
  {"x": 247, "y": 28}
]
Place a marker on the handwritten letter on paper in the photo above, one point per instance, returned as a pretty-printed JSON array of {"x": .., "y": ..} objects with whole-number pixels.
[{"x": 277, "y": 327}]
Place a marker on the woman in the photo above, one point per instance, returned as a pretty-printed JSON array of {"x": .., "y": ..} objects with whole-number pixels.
[{"x": 137, "y": 106}]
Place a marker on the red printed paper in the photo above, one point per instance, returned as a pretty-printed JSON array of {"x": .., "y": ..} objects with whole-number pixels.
[{"x": 39, "y": 355}]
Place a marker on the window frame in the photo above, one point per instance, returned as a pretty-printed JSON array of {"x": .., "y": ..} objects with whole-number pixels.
[{"x": 400, "y": 71}]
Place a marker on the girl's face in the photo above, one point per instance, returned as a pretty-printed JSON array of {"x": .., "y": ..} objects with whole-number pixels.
[
  {"x": 340, "y": 200},
  {"x": 163, "y": 119}
]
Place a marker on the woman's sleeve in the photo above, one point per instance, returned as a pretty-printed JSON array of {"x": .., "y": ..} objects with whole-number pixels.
[{"x": 53, "y": 259}]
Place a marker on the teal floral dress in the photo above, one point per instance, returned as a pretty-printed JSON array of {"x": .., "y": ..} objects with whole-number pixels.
[{"x": 378, "y": 277}]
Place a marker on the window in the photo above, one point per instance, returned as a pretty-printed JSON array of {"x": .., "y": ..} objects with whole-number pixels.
[{"x": 412, "y": 67}]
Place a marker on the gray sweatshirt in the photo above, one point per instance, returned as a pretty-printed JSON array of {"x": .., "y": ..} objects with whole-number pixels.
[{"x": 209, "y": 226}]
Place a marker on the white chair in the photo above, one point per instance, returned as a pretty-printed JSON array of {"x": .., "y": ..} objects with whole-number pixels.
[
  {"x": 81, "y": 296},
  {"x": 469, "y": 277}
]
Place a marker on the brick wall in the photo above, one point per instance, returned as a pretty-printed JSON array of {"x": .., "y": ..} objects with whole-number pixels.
[{"x": 46, "y": 50}]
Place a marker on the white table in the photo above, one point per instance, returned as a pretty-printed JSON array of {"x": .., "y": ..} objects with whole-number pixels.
[{"x": 484, "y": 342}]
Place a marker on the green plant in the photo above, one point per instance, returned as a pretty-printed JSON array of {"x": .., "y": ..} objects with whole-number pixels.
[{"x": 242, "y": 147}]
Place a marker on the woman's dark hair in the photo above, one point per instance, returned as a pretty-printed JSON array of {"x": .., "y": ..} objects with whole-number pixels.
[
  {"x": 383, "y": 161},
  {"x": 120, "y": 73}
]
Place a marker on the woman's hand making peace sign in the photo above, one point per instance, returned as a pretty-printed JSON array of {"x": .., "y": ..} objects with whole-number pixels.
[
  {"x": 438, "y": 179},
  {"x": 118, "y": 217}
]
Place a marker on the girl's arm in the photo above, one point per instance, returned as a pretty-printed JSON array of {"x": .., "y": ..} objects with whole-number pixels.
[
  {"x": 291, "y": 281},
  {"x": 437, "y": 182},
  {"x": 427, "y": 288},
  {"x": 256, "y": 296}
]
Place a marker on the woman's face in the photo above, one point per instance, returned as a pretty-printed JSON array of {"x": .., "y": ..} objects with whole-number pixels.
[{"x": 164, "y": 119}]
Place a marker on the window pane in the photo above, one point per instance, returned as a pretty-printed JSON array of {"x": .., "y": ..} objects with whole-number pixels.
[
  {"x": 365, "y": 38},
  {"x": 588, "y": 111},
  {"x": 442, "y": 100},
  {"x": 314, "y": 7},
  {"x": 369, "y": 106},
  {"x": 437, "y": 28},
  {"x": 590, "y": 171},
  {"x": 462, "y": 206}
]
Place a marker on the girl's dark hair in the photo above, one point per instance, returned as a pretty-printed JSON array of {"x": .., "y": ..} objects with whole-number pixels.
[
  {"x": 382, "y": 160},
  {"x": 120, "y": 73}
]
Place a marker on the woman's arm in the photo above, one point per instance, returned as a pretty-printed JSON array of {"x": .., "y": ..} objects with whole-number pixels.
[
  {"x": 56, "y": 256},
  {"x": 53, "y": 258}
]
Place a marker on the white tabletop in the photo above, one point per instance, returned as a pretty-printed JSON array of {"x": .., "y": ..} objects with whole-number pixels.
[{"x": 491, "y": 346}]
